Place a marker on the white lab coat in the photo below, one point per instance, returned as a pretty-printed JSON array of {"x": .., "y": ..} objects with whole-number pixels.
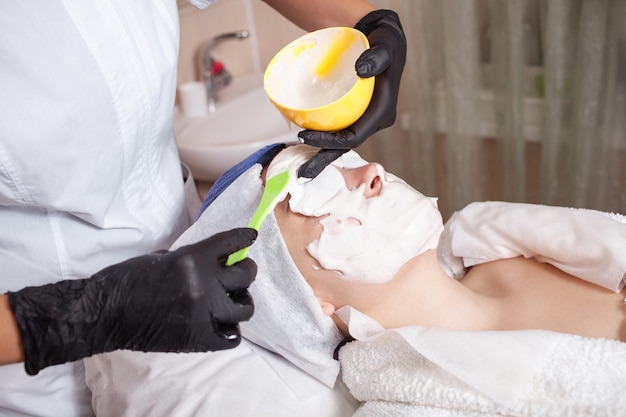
[{"x": 89, "y": 170}]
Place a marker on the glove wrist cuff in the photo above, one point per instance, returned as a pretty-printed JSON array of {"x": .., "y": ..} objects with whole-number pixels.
[
  {"x": 53, "y": 324},
  {"x": 375, "y": 18}
]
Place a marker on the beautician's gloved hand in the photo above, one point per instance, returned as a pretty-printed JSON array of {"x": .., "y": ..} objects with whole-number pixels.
[
  {"x": 180, "y": 301},
  {"x": 384, "y": 60}
]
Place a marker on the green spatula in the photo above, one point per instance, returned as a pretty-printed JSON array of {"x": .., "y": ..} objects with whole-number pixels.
[{"x": 273, "y": 189}]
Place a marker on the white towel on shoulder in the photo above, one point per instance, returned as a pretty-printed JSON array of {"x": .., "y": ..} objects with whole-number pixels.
[
  {"x": 577, "y": 376},
  {"x": 497, "y": 363},
  {"x": 587, "y": 244}
]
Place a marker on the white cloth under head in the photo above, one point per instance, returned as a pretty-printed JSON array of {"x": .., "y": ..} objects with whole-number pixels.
[{"x": 288, "y": 319}]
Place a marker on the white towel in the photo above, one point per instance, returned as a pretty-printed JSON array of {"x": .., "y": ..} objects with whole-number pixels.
[
  {"x": 577, "y": 376},
  {"x": 499, "y": 364},
  {"x": 587, "y": 244}
]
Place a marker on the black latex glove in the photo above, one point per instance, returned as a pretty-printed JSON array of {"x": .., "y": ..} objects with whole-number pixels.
[
  {"x": 180, "y": 301},
  {"x": 384, "y": 60}
]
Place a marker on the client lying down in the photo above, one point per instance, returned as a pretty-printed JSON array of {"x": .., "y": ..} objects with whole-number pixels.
[
  {"x": 366, "y": 242},
  {"x": 340, "y": 226},
  {"x": 363, "y": 238},
  {"x": 466, "y": 317}
]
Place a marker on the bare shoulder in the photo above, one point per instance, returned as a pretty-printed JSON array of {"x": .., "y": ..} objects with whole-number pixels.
[
  {"x": 539, "y": 295},
  {"x": 516, "y": 274}
]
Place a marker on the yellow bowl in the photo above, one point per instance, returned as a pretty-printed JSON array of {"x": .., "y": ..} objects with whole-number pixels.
[{"x": 313, "y": 83}]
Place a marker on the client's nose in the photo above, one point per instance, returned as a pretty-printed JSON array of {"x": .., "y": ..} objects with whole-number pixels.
[{"x": 371, "y": 176}]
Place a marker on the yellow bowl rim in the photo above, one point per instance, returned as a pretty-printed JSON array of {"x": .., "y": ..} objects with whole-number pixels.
[{"x": 359, "y": 81}]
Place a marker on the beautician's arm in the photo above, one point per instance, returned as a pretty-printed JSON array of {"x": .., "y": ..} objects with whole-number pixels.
[
  {"x": 184, "y": 300},
  {"x": 311, "y": 15},
  {"x": 384, "y": 60},
  {"x": 10, "y": 341}
]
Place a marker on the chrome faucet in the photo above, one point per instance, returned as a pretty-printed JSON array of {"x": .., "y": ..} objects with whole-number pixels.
[{"x": 214, "y": 75}]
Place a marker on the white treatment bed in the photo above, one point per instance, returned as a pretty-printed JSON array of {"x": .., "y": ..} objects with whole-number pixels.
[
  {"x": 247, "y": 381},
  {"x": 575, "y": 377}
]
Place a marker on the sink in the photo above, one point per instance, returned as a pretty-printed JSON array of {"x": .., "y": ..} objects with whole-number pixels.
[{"x": 244, "y": 121}]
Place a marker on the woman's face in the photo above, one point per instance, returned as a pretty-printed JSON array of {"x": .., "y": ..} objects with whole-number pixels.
[
  {"x": 299, "y": 231},
  {"x": 354, "y": 218}
]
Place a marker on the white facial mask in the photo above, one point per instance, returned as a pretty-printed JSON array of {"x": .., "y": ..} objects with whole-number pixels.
[{"x": 364, "y": 239}]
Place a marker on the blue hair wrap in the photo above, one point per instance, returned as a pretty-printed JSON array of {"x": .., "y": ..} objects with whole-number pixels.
[{"x": 263, "y": 156}]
